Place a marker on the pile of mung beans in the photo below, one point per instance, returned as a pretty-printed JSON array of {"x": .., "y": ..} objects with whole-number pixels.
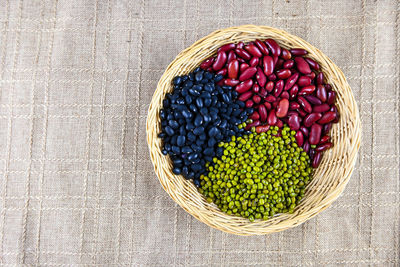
[{"x": 249, "y": 125}]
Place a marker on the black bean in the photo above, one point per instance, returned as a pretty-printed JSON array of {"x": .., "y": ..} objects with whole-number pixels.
[
  {"x": 204, "y": 111},
  {"x": 164, "y": 152},
  {"x": 199, "y": 76},
  {"x": 198, "y": 120},
  {"x": 203, "y": 137},
  {"x": 196, "y": 167},
  {"x": 218, "y": 77},
  {"x": 193, "y": 108},
  {"x": 169, "y": 130},
  {"x": 176, "y": 150},
  {"x": 198, "y": 130},
  {"x": 211, "y": 142},
  {"x": 180, "y": 141},
  {"x": 208, "y": 87},
  {"x": 191, "y": 137},
  {"x": 208, "y": 151},
  {"x": 177, "y": 161},
  {"x": 187, "y": 114},
  {"x": 185, "y": 171},
  {"x": 207, "y": 118},
  {"x": 177, "y": 170},
  {"x": 199, "y": 102},
  {"x": 174, "y": 124},
  {"x": 188, "y": 99}
]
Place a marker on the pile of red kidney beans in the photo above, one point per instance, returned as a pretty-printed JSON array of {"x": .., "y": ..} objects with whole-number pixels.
[{"x": 283, "y": 86}]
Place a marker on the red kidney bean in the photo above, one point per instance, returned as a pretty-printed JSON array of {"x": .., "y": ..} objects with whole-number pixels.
[
  {"x": 221, "y": 82},
  {"x": 247, "y": 73},
  {"x": 253, "y": 124},
  {"x": 299, "y": 138},
  {"x": 293, "y": 91},
  {"x": 331, "y": 97},
  {"x": 279, "y": 63},
  {"x": 231, "y": 56},
  {"x": 324, "y": 139},
  {"x": 242, "y": 53},
  {"x": 255, "y": 116},
  {"x": 285, "y": 54},
  {"x": 302, "y": 113},
  {"x": 270, "y": 86},
  {"x": 241, "y": 60},
  {"x": 282, "y": 108},
  {"x": 240, "y": 45},
  {"x": 256, "y": 88},
  {"x": 261, "y": 78},
  {"x": 252, "y": 49},
  {"x": 270, "y": 99},
  {"x": 222, "y": 72},
  {"x": 316, "y": 159},
  {"x": 272, "y": 77},
  {"x": 274, "y": 104},
  {"x": 279, "y": 123},
  {"x": 207, "y": 63},
  {"x": 315, "y": 134},
  {"x": 283, "y": 74},
  {"x": 273, "y": 47},
  {"x": 262, "y": 128},
  {"x": 226, "y": 47},
  {"x": 294, "y": 122},
  {"x": 243, "y": 67},
  {"x": 220, "y": 61},
  {"x": 311, "y": 118},
  {"x": 263, "y": 48},
  {"x": 313, "y": 64},
  {"x": 328, "y": 87},
  {"x": 305, "y": 104},
  {"x": 327, "y": 117},
  {"x": 263, "y": 92},
  {"x": 233, "y": 69},
  {"x": 304, "y": 81},
  {"x": 269, "y": 65},
  {"x": 209, "y": 69},
  {"x": 249, "y": 103},
  {"x": 243, "y": 97},
  {"x": 321, "y": 108},
  {"x": 263, "y": 113},
  {"x": 276, "y": 58},
  {"x": 256, "y": 99},
  {"x": 323, "y": 147},
  {"x": 307, "y": 90},
  {"x": 231, "y": 82},
  {"x": 288, "y": 64},
  {"x": 267, "y": 105},
  {"x": 294, "y": 105},
  {"x": 291, "y": 113},
  {"x": 327, "y": 128},
  {"x": 304, "y": 130},
  {"x": 272, "y": 119},
  {"x": 254, "y": 61},
  {"x": 298, "y": 52},
  {"x": 311, "y": 75},
  {"x": 278, "y": 88},
  {"x": 311, "y": 154},
  {"x": 320, "y": 78},
  {"x": 285, "y": 94},
  {"x": 306, "y": 146},
  {"x": 244, "y": 86},
  {"x": 302, "y": 65},
  {"x": 313, "y": 100},
  {"x": 321, "y": 93}
]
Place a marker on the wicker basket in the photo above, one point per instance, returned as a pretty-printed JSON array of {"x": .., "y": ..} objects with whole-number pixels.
[{"x": 330, "y": 177}]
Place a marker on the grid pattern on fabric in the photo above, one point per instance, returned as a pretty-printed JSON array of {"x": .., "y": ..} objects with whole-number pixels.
[{"x": 77, "y": 185}]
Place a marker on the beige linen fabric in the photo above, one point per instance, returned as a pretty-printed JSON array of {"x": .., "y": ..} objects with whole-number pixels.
[{"x": 76, "y": 183}]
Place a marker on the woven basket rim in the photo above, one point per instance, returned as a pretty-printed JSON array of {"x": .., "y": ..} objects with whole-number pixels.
[{"x": 330, "y": 179}]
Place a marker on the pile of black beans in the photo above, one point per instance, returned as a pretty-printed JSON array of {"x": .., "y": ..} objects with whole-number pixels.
[{"x": 195, "y": 117}]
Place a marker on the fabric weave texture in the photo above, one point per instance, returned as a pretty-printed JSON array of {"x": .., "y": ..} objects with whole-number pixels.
[{"x": 77, "y": 187}]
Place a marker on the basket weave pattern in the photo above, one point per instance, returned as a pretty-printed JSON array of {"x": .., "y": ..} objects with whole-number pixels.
[{"x": 330, "y": 178}]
